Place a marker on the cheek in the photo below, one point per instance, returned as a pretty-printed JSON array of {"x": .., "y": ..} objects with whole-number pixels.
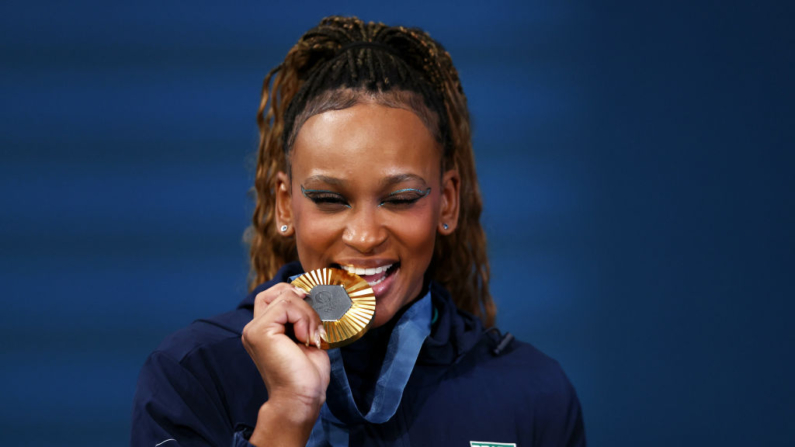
[
  {"x": 316, "y": 232},
  {"x": 416, "y": 230}
]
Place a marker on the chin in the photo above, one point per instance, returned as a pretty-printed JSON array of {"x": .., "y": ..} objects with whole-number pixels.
[
  {"x": 378, "y": 322},
  {"x": 385, "y": 312},
  {"x": 383, "y": 316}
]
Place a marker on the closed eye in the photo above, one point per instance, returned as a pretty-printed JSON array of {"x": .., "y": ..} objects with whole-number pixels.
[
  {"x": 405, "y": 197},
  {"x": 324, "y": 199}
]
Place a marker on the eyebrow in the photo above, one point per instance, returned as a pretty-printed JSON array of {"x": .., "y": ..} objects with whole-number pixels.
[
  {"x": 400, "y": 178},
  {"x": 386, "y": 181},
  {"x": 325, "y": 179}
]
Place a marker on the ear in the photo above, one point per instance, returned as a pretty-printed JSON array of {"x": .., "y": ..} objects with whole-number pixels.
[
  {"x": 284, "y": 205},
  {"x": 451, "y": 198}
]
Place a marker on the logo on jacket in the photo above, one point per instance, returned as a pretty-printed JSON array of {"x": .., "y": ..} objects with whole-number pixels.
[{"x": 491, "y": 444}]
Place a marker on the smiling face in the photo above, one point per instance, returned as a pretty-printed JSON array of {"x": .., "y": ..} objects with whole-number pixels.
[{"x": 366, "y": 193}]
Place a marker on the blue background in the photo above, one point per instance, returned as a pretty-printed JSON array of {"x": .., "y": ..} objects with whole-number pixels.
[{"x": 636, "y": 163}]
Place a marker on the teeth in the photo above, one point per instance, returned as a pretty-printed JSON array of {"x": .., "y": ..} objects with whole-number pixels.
[
  {"x": 364, "y": 271},
  {"x": 376, "y": 282}
]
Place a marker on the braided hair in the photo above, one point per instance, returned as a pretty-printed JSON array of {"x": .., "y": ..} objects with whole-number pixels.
[{"x": 345, "y": 53}]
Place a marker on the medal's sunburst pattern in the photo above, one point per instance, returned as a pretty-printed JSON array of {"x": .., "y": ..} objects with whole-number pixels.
[{"x": 356, "y": 321}]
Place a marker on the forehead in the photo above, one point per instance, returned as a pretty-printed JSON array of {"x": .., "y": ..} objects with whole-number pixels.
[{"x": 365, "y": 142}]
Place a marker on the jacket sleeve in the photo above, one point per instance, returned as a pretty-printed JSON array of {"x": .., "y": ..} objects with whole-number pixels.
[{"x": 173, "y": 408}]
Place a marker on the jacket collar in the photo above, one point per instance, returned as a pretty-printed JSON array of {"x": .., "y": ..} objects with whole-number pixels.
[{"x": 454, "y": 334}]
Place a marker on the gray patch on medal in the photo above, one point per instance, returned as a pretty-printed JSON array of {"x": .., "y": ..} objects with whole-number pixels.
[{"x": 330, "y": 302}]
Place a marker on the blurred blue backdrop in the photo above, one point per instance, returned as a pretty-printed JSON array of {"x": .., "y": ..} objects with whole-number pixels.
[{"x": 636, "y": 162}]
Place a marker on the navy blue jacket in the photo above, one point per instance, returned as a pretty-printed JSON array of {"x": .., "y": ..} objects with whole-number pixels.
[{"x": 200, "y": 388}]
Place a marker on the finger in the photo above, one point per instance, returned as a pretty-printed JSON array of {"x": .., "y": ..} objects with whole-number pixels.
[
  {"x": 263, "y": 298},
  {"x": 295, "y": 311},
  {"x": 266, "y": 297}
]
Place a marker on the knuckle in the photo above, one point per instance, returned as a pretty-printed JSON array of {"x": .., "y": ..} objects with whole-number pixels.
[
  {"x": 246, "y": 334},
  {"x": 261, "y": 298}
]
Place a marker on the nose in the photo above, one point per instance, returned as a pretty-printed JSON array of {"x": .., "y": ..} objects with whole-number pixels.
[{"x": 364, "y": 232}]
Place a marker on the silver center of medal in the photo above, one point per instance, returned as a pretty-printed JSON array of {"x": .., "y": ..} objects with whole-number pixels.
[{"x": 330, "y": 302}]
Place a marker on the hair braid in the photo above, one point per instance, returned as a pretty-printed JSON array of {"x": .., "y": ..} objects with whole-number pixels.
[{"x": 347, "y": 53}]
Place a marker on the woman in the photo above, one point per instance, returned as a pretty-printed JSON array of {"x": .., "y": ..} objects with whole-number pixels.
[{"x": 365, "y": 163}]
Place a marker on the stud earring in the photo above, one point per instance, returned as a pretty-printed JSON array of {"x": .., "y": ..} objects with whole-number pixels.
[
  {"x": 283, "y": 228},
  {"x": 444, "y": 225}
]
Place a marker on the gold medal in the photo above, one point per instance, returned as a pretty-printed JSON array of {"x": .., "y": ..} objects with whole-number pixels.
[{"x": 344, "y": 301}]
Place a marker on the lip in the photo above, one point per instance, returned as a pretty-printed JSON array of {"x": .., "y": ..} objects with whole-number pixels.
[{"x": 382, "y": 288}]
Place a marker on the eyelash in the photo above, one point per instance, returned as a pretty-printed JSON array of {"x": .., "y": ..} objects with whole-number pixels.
[{"x": 320, "y": 197}]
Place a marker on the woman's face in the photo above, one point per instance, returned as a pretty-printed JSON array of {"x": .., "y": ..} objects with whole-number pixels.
[{"x": 367, "y": 192}]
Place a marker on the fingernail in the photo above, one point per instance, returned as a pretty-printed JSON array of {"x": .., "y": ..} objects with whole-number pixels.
[
  {"x": 299, "y": 290},
  {"x": 320, "y": 333}
]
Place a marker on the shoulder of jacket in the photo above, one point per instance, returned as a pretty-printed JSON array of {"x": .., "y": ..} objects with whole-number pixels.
[
  {"x": 203, "y": 334},
  {"x": 519, "y": 362}
]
